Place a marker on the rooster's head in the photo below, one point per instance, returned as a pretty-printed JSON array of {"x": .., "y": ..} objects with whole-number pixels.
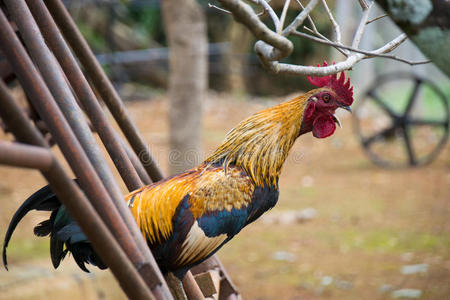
[{"x": 333, "y": 92}]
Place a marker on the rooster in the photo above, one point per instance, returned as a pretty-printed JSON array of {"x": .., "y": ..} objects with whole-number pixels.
[{"x": 188, "y": 217}]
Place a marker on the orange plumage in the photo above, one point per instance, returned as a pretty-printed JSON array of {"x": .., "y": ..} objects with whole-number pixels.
[{"x": 188, "y": 217}]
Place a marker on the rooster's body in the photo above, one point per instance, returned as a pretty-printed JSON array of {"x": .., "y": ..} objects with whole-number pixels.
[{"x": 188, "y": 217}]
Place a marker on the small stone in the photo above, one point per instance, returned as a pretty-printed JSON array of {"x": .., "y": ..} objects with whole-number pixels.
[
  {"x": 384, "y": 288},
  {"x": 413, "y": 269},
  {"x": 306, "y": 214},
  {"x": 326, "y": 280},
  {"x": 407, "y": 293},
  {"x": 343, "y": 284},
  {"x": 290, "y": 217},
  {"x": 284, "y": 256},
  {"x": 287, "y": 217}
]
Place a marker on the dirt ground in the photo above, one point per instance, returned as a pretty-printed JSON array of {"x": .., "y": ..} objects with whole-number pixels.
[{"x": 377, "y": 233}]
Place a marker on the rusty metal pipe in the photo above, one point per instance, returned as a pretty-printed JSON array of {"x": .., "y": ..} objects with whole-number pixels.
[
  {"x": 52, "y": 75},
  {"x": 21, "y": 155},
  {"x": 19, "y": 123},
  {"x": 84, "y": 93},
  {"x": 61, "y": 132},
  {"x": 103, "y": 86},
  {"x": 134, "y": 160},
  {"x": 93, "y": 109},
  {"x": 191, "y": 287},
  {"x": 74, "y": 199}
]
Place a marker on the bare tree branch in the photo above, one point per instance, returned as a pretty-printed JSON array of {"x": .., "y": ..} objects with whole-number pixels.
[
  {"x": 364, "y": 4},
  {"x": 376, "y": 19},
  {"x": 283, "y": 15},
  {"x": 322, "y": 39},
  {"x": 272, "y": 14},
  {"x": 336, "y": 28},
  {"x": 219, "y": 9},
  {"x": 273, "y": 45},
  {"x": 369, "y": 54},
  {"x": 244, "y": 14},
  {"x": 362, "y": 25},
  {"x": 300, "y": 18}
]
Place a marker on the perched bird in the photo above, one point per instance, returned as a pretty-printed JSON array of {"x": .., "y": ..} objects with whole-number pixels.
[{"x": 188, "y": 217}]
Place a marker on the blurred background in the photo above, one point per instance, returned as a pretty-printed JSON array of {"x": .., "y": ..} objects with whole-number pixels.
[{"x": 347, "y": 226}]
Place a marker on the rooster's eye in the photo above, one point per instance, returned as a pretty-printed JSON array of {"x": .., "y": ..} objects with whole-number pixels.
[{"x": 326, "y": 98}]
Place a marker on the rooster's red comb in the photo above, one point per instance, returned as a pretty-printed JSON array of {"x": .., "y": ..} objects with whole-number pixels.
[{"x": 343, "y": 89}]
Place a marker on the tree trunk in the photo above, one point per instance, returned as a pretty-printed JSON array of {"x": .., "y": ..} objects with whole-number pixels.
[
  {"x": 186, "y": 33},
  {"x": 427, "y": 23},
  {"x": 235, "y": 59}
]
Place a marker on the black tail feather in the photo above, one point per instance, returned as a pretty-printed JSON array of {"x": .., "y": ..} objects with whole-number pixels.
[
  {"x": 43, "y": 229},
  {"x": 56, "y": 250},
  {"x": 65, "y": 235},
  {"x": 44, "y": 199}
]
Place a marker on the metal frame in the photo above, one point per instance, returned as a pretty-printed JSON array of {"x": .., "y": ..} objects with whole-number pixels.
[{"x": 57, "y": 89}]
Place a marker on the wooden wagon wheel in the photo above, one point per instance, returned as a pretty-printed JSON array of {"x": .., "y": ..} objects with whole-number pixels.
[{"x": 402, "y": 120}]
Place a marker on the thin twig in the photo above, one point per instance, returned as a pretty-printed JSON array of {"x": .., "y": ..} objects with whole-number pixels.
[
  {"x": 272, "y": 14},
  {"x": 368, "y": 54},
  {"x": 385, "y": 49},
  {"x": 261, "y": 13},
  {"x": 324, "y": 38},
  {"x": 317, "y": 33},
  {"x": 362, "y": 25},
  {"x": 309, "y": 17},
  {"x": 219, "y": 9},
  {"x": 283, "y": 15},
  {"x": 364, "y": 4},
  {"x": 300, "y": 18},
  {"x": 336, "y": 28},
  {"x": 376, "y": 19},
  {"x": 280, "y": 46},
  {"x": 320, "y": 40},
  {"x": 230, "y": 13},
  {"x": 392, "y": 44},
  {"x": 313, "y": 25}
]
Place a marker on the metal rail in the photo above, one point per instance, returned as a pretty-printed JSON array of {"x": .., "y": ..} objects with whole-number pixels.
[
  {"x": 73, "y": 198},
  {"x": 84, "y": 93},
  {"x": 98, "y": 119},
  {"x": 61, "y": 131},
  {"x": 54, "y": 91},
  {"x": 43, "y": 101},
  {"x": 103, "y": 86},
  {"x": 25, "y": 156}
]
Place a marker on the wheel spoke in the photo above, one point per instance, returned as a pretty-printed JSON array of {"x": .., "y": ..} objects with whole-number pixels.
[
  {"x": 380, "y": 134},
  {"x": 436, "y": 123},
  {"x": 381, "y": 104},
  {"x": 413, "y": 96},
  {"x": 409, "y": 147}
]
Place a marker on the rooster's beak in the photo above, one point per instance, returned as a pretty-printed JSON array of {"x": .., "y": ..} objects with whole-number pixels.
[
  {"x": 336, "y": 119},
  {"x": 347, "y": 108}
]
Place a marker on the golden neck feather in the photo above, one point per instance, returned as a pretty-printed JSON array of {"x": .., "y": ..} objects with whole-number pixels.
[{"x": 261, "y": 143}]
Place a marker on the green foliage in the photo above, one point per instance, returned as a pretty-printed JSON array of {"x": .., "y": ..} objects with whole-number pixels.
[
  {"x": 148, "y": 21},
  {"x": 95, "y": 39}
]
